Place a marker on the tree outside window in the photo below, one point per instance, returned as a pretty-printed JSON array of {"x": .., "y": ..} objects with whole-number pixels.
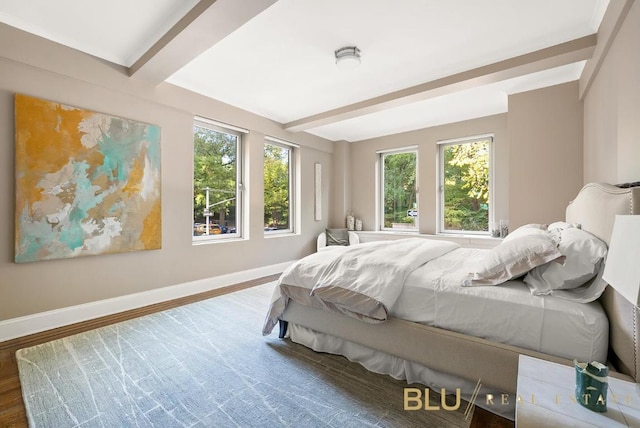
[
  {"x": 400, "y": 206},
  {"x": 465, "y": 185},
  {"x": 277, "y": 188},
  {"x": 215, "y": 182}
]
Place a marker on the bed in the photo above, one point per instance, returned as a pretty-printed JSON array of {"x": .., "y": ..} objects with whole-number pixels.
[{"x": 420, "y": 343}]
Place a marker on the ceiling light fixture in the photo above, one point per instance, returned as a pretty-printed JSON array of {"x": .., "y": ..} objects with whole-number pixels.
[{"x": 347, "y": 57}]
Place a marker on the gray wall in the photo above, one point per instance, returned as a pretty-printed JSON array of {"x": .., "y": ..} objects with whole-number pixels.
[
  {"x": 341, "y": 184},
  {"x": 612, "y": 110},
  {"x": 36, "y": 67},
  {"x": 545, "y": 157}
]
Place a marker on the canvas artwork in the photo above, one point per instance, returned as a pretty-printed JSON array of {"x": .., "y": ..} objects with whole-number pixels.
[{"x": 86, "y": 183}]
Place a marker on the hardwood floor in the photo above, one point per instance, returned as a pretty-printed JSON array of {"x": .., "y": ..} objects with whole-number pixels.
[
  {"x": 12, "y": 411},
  {"x": 485, "y": 419}
]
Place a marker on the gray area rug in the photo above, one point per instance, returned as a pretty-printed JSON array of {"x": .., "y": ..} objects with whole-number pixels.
[{"x": 207, "y": 365}]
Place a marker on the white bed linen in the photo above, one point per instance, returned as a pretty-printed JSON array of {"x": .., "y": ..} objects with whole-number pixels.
[
  {"x": 362, "y": 281},
  {"x": 506, "y": 313},
  {"x": 365, "y": 280}
]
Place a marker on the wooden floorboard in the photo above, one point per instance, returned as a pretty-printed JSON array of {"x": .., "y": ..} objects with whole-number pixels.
[
  {"x": 485, "y": 419},
  {"x": 12, "y": 411}
]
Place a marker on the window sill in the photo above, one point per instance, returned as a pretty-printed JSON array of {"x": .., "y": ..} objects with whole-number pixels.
[
  {"x": 288, "y": 233},
  {"x": 468, "y": 241},
  {"x": 217, "y": 240}
]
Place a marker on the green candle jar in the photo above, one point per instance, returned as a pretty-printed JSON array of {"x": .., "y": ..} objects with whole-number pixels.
[{"x": 591, "y": 385}]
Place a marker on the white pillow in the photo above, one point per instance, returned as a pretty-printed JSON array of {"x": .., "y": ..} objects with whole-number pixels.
[
  {"x": 557, "y": 227},
  {"x": 527, "y": 230},
  {"x": 584, "y": 255},
  {"x": 540, "y": 226},
  {"x": 562, "y": 225},
  {"x": 514, "y": 257}
]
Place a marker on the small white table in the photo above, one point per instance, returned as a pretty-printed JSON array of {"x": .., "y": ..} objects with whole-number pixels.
[{"x": 546, "y": 398}]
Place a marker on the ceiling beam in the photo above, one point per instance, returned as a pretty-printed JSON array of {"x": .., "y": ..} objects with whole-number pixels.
[
  {"x": 205, "y": 25},
  {"x": 551, "y": 57},
  {"x": 611, "y": 22}
]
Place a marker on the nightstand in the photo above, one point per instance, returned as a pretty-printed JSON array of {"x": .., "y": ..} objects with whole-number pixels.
[{"x": 546, "y": 398}]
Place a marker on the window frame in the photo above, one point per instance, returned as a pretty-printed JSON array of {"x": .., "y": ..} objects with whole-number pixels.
[
  {"x": 381, "y": 214},
  {"x": 440, "y": 184},
  {"x": 292, "y": 148},
  {"x": 239, "y": 133}
]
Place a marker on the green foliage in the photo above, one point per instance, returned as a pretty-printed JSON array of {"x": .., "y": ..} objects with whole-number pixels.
[
  {"x": 399, "y": 188},
  {"x": 276, "y": 187},
  {"x": 466, "y": 186},
  {"x": 214, "y": 166}
]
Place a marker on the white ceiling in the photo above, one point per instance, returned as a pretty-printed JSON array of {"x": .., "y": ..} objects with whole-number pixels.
[
  {"x": 280, "y": 63},
  {"x": 119, "y": 31}
]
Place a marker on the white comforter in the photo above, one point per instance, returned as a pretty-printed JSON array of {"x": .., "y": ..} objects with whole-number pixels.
[{"x": 362, "y": 281}]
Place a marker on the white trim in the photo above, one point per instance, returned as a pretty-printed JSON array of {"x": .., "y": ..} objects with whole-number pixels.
[
  {"x": 220, "y": 124},
  {"x": 279, "y": 233},
  {"x": 398, "y": 150},
  {"x": 23, "y": 326},
  {"x": 466, "y": 139},
  {"x": 279, "y": 141}
]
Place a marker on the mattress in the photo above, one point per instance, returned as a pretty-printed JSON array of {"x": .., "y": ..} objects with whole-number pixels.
[{"x": 507, "y": 313}]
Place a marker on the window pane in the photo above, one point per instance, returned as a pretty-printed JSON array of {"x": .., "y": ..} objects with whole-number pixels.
[
  {"x": 277, "y": 188},
  {"x": 466, "y": 186},
  {"x": 400, "y": 209},
  {"x": 215, "y": 182}
]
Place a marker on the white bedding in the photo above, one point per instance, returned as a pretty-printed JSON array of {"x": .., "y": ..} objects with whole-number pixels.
[
  {"x": 507, "y": 313},
  {"x": 360, "y": 281},
  {"x": 432, "y": 294}
]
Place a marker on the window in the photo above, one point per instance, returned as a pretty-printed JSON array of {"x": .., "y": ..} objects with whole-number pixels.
[
  {"x": 217, "y": 181},
  {"x": 398, "y": 177},
  {"x": 278, "y": 187},
  {"x": 465, "y": 185}
]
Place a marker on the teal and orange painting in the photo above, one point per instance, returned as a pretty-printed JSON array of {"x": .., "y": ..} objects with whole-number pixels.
[{"x": 86, "y": 183}]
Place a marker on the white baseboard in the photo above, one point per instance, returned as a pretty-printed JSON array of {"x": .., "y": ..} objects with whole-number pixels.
[{"x": 23, "y": 326}]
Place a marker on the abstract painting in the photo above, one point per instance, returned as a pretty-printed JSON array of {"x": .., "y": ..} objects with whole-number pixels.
[{"x": 86, "y": 183}]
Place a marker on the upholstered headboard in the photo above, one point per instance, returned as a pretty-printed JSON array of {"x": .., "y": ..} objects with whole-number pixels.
[{"x": 595, "y": 209}]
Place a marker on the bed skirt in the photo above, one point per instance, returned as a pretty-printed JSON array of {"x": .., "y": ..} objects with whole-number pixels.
[{"x": 383, "y": 363}]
